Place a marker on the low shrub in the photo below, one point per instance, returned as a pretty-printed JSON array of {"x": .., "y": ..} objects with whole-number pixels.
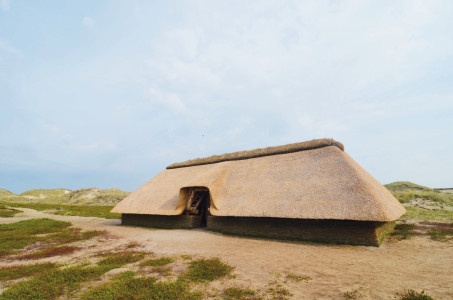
[
  {"x": 207, "y": 270},
  {"x": 155, "y": 262}
]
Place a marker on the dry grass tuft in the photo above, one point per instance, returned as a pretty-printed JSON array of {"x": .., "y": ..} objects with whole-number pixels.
[
  {"x": 413, "y": 295},
  {"x": 50, "y": 252}
]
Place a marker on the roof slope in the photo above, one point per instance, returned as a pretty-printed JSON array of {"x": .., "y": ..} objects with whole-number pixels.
[
  {"x": 324, "y": 183},
  {"x": 308, "y": 145}
]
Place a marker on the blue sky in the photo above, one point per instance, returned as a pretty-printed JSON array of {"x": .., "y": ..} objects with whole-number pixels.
[{"x": 108, "y": 93}]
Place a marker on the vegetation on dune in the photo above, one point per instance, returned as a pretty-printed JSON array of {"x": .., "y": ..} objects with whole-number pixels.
[
  {"x": 413, "y": 213},
  {"x": 406, "y": 191},
  {"x": 7, "y": 212},
  {"x": 53, "y": 283},
  {"x": 422, "y": 203},
  {"x": 119, "y": 259},
  {"x": 89, "y": 196},
  {"x": 203, "y": 270},
  {"x": 126, "y": 287},
  {"x": 405, "y": 185},
  {"x": 72, "y": 210},
  {"x": 234, "y": 293},
  {"x": 50, "y": 233},
  {"x": 298, "y": 278},
  {"x": 435, "y": 230},
  {"x": 4, "y": 192},
  {"x": 51, "y": 251},
  {"x": 16, "y": 272},
  {"x": 157, "y": 262},
  {"x": 91, "y": 202}
]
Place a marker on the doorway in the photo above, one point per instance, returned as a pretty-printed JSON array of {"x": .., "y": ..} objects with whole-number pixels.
[{"x": 198, "y": 202}]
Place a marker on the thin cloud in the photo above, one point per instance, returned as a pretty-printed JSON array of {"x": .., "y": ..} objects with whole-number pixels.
[
  {"x": 6, "y": 46},
  {"x": 87, "y": 22}
]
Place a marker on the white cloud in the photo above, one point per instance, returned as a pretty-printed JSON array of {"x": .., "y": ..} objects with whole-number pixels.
[
  {"x": 87, "y": 21},
  {"x": 169, "y": 100},
  {"x": 5, "y": 46}
]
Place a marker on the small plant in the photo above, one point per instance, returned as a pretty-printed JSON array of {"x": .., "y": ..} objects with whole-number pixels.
[
  {"x": 186, "y": 257},
  {"x": 207, "y": 270},
  {"x": 298, "y": 277},
  {"x": 141, "y": 288},
  {"x": 119, "y": 259},
  {"x": 16, "y": 272},
  {"x": 234, "y": 293},
  {"x": 126, "y": 275},
  {"x": 413, "y": 295},
  {"x": 155, "y": 262},
  {"x": 275, "y": 274},
  {"x": 279, "y": 292},
  {"x": 132, "y": 245},
  {"x": 352, "y": 294},
  {"x": 52, "y": 283}
]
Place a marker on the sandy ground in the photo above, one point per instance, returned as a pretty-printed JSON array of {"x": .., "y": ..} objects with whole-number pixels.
[{"x": 377, "y": 273}]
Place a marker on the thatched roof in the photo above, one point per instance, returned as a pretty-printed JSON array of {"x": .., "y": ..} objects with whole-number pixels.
[
  {"x": 322, "y": 183},
  {"x": 290, "y": 148}
]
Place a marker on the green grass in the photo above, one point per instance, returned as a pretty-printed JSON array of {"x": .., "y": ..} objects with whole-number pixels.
[
  {"x": 119, "y": 259},
  {"x": 403, "y": 231},
  {"x": 16, "y": 272},
  {"x": 88, "y": 211},
  {"x": 405, "y": 191},
  {"x": 52, "y": 283},
  {"x": 139, "y": 288},
  {"x": 298, "y": 277},
  {"x": 405, "y": 185},
  {"x": 18, "y": 235},
  {"x": 413, "y": 295},
  {"x": 34, "y": 226},
  {"x": 7, "y": 212},
  {"x": 90, "y": 196},
  {"x": 72, "y": 210},
  {"x": 424, "y": 214},
  {"x": 156, "y": 262},
  {"x": 70, "y": 235},
  {"x": 234, "y": 293},
  {"x": 406, "y": 196},
  {"x": 203, "y": 270}
]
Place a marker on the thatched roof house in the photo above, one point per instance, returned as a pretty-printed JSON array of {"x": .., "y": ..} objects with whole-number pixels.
[{"x": 311, "y": 190}]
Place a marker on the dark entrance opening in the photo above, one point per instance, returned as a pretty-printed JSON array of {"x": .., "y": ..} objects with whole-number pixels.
[{"x": 198, "y": 204}]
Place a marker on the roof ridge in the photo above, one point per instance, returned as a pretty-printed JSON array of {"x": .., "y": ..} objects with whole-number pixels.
[{"x": 240, "y": 155}]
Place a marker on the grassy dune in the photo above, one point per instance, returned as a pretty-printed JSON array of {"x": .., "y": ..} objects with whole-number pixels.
[
  {"x": 89, "y": 196},
  {"x": 91, "y": 202}
]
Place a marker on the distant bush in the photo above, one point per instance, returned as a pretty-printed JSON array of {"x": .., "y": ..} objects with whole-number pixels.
[{"x": 413, "y": 295}]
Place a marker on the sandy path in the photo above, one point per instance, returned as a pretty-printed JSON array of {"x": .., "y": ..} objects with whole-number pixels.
[{"x": 378, "y": 273}]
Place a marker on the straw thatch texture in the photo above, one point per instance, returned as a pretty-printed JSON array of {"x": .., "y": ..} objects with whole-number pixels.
[
  {"x": 323, "y": 183},
  {"x": 290, "y": 148}
]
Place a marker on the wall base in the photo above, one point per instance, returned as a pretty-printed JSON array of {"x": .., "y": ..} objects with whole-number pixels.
[
  {"x": 322, "y": 231},
  {"x": 164, "y": 222}
]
